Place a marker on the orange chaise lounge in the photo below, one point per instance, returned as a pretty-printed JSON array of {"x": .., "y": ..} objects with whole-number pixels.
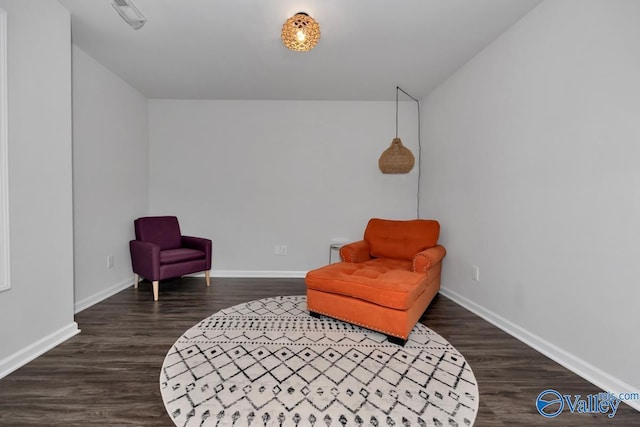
[{"x": 385, "y": 281}]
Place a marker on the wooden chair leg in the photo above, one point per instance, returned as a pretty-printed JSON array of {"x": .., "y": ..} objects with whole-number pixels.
[
  {"x": 207, "y": 278},
  {"x": 136, "y": 279},
  {"x": 155, "y": 290}
]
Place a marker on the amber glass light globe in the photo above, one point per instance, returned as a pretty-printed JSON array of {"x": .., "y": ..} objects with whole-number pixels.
[{"x": 300, "y": 32}]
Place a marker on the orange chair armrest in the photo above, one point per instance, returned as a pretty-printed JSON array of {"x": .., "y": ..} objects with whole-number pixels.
[
  {"x": 355, "y": 252},
  {"x": 426, "y": 259}
]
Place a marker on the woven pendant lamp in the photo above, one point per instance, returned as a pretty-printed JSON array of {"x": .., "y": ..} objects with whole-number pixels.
[{"x": 397, "y": 158}]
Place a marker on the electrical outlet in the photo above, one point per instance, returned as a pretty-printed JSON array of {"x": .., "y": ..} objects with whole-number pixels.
[
  {"x": 475, "y": 273},
  {"x": 280, "y": 250},
  {"x": 110, "y": 261}
]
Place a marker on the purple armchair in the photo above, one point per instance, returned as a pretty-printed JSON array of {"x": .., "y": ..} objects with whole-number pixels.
[{"x": 161, "y": 252}]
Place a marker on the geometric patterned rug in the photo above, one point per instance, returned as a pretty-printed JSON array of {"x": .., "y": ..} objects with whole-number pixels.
[{"x": 269, "y": 363}]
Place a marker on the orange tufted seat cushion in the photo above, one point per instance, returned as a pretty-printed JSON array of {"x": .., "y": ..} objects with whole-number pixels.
[{"x": 382, "y": 281}]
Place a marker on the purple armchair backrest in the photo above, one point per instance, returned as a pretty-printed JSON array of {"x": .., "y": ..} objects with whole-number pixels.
[{"x": 163, "y": 231}]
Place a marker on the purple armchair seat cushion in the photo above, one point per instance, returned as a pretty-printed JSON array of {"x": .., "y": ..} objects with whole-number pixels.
[{"x": 172, "y": 256}]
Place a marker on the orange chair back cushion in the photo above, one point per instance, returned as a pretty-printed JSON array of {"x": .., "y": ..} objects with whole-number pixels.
[{"x": 401, "y": 239}]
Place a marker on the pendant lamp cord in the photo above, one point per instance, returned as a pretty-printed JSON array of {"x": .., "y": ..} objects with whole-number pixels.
[{"x": 398, "y": 90}]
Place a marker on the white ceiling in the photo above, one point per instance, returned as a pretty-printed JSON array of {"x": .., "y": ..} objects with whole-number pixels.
[{"x": 231, "y": 49}]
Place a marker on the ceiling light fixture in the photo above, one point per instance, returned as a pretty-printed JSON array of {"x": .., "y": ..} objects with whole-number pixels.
[
  {"x": 300, "y": 32},
  {"x": 129, "y": 12}
]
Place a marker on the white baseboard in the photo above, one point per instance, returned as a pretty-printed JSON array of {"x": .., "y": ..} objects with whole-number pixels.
[
  {"x": 102, "y": 295},
  {"x": 578, "y": 366},
  {"x": 275, "y": 274},
  {"x": 112, "y": 290},
  {"x": 30, "y": 352}
]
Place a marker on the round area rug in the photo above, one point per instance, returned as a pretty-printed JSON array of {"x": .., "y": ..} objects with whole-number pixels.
[{"x": 269, "y": 363}]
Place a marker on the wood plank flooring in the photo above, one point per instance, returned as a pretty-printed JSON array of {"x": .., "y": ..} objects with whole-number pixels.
[{"x": 108, "y": 374}]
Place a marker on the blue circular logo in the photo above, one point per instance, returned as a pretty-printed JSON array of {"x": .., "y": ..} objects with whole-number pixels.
[{"x": 549, "y": 403}]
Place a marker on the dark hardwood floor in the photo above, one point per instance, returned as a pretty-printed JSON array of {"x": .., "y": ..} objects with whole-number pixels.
[{"x": 108, "y": 374}]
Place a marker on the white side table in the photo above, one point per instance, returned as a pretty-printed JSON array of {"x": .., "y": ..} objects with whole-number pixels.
[{"x": 334, "y": 247}]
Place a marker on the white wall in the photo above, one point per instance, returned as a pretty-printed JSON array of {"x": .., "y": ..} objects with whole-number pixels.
[
  {"x": 110, "y": 154},
  {"x": 255, "y": 174},
  {"x": 37, "y": 312},
  {"x": 531, "y": 164}
]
